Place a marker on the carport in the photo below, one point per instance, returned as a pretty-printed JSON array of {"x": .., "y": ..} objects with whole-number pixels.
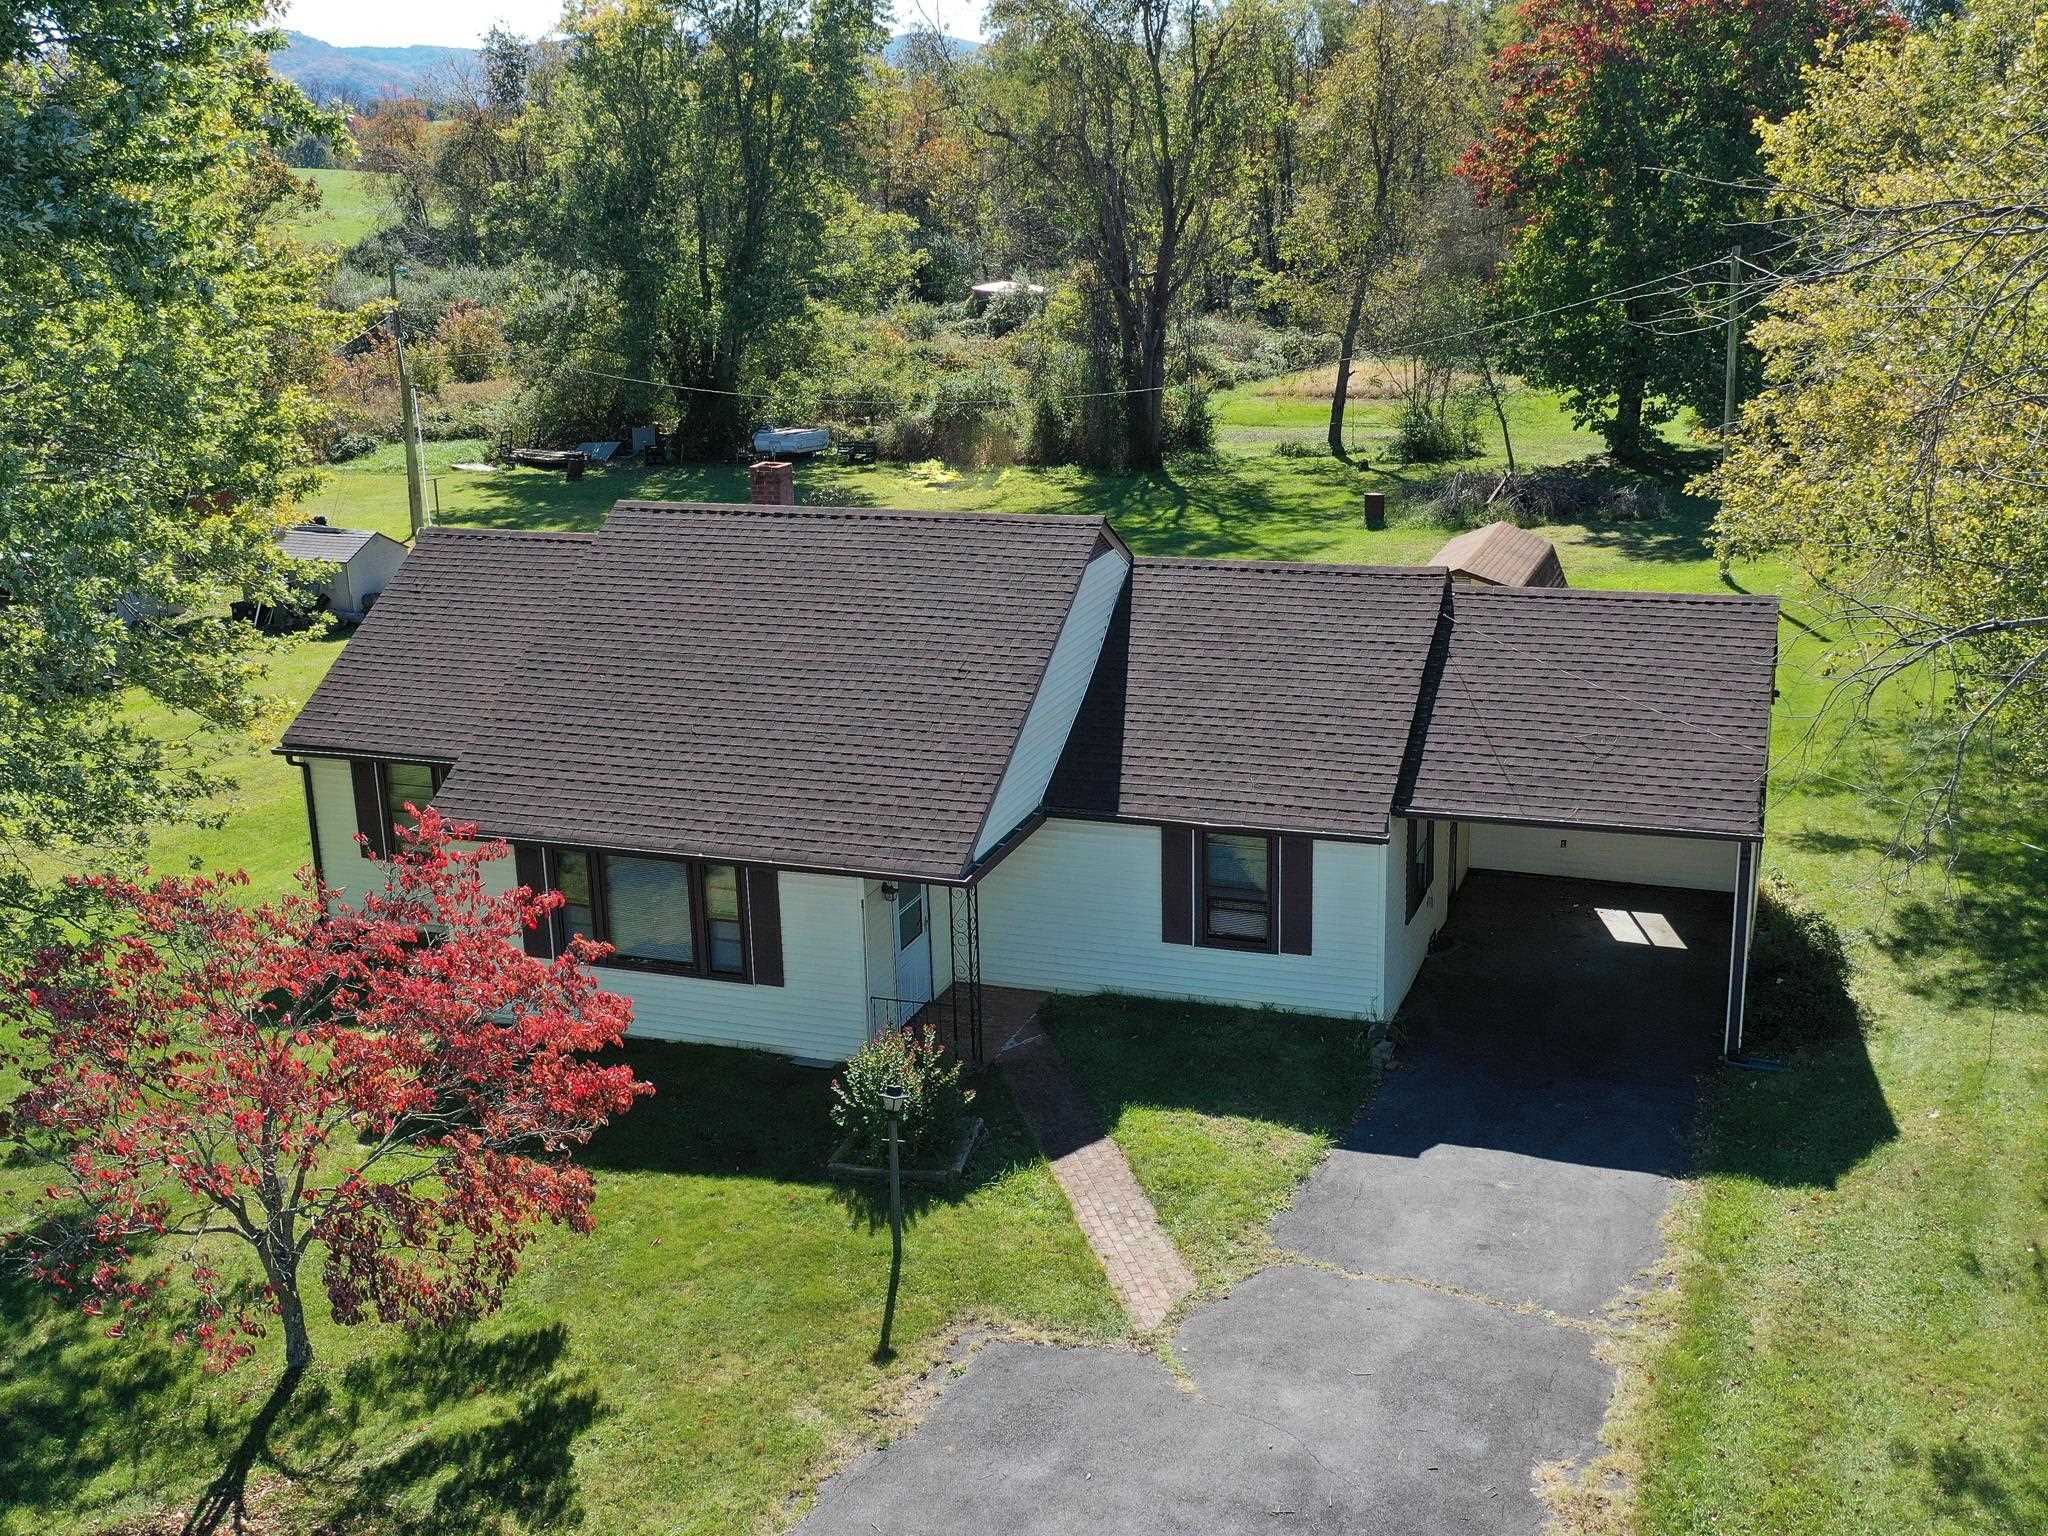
[{"x": 1621, "y": 738}]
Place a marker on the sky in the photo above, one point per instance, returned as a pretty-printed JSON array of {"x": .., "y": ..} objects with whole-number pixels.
[{"x": 461, "y": 23}]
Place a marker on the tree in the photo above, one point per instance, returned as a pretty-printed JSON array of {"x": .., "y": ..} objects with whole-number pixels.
[
  {"x": 705, "y": 143},
  {"x": 161, "y": 338},
  {"x": 1896, "y": 448},
  {"x": 396, "y": 1083},
  {"x": 1127, "y": 114},
  {"x": 1379, "y": 134},
  {"x": 1625, "y": 142}
]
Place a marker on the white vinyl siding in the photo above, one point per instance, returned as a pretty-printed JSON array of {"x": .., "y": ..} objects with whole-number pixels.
[
  {"x": 1051, "y": 717},
  {"x": 1408, "y": 938},
  {"x": 1692, "y": 863},
  {"x": 819, "y": 1013},
  {"x": 1076, "y": 908},
  {"x": 334, "y": 808}
]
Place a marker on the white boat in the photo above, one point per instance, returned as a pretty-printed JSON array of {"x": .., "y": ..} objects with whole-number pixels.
[{"x": 782, "y": 440}]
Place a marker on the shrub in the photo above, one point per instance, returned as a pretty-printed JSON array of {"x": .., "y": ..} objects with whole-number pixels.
[
  {"x": 970, "y": 420},
  {"x": 1428, "y": 435},
  {"x": 930, "y": 1075},
  {"x": 1798, "y": 971},
  {"x": 473, "y": 337}
]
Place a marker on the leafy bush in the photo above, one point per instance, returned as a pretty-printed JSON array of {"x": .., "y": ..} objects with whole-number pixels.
[
  {"x": 473, "y": 337},
  {"x": 1433, "y": 432},
  {"x": 929, "y": 1074},
  {"x": 1190, "y": 426},
  {"x": 1798, "y": 971},
  {"x": 971, "y": 420}
]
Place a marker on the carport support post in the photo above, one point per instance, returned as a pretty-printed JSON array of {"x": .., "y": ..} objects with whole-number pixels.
[{"x": 1741, "y": 932}]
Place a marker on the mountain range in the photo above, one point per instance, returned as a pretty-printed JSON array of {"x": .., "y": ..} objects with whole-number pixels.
[{"x": 359, "y": 76}]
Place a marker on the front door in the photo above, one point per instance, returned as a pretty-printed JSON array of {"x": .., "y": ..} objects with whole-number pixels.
[{"x": 913, "y": 946}]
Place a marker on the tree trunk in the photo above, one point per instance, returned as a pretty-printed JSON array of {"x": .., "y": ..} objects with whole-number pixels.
[
  {"x": 1342, "y": 389},
  {"x": 1147, "y": 415},
  {"x": 281, "y": 1268},
  {"x": 1625, "y": 432}
]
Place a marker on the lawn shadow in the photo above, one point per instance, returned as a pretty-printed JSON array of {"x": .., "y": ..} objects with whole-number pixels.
[
  {"x": 515, "y": 1471},
  {"x": 719, "y": 1112},
  {"x": 1983, "y": 941},
  {"x": 1994, "y": 1491},
  {"x": 1306, "y": 1073}
]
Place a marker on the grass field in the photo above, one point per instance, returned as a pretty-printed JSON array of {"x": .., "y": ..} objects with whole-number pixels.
[
  {"x": 351, "y": 207},
  {"x": 1853, "y": 1345}
]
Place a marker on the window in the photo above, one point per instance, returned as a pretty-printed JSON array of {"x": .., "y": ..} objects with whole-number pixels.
[
  {"x": 413, "y": 784},
  {"x": 1237, "y": 890},
  {"x": 382, "y": 792},
  {"x": 675, "y": 915},
  {"x": 909, "y": 915},
  {"x": 1421, "y": 863}
]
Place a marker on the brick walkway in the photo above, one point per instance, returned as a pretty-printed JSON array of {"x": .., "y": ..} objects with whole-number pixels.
[{"x": 1144, "y": 1267}]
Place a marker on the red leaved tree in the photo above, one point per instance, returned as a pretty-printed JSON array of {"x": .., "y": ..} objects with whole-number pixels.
[{"x": 395, "y": 1082}]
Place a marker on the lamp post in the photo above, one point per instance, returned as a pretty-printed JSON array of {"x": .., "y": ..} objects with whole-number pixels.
[{"x": 894, "y": 1097}]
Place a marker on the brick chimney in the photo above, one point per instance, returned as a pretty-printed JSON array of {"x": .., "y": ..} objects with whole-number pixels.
[{"x": 773, "y": 483}]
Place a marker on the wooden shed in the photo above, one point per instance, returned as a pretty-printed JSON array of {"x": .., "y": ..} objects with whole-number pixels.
[{"x": 1502, "y": 555}]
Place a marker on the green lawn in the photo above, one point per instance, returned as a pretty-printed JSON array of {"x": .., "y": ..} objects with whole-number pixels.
[
  {"x": 1863, "y": 1293},
  {"x": 1221, "y": 1111},
  {"x": 351, "y": 207},
  {"x": 690, "y": 1368}
]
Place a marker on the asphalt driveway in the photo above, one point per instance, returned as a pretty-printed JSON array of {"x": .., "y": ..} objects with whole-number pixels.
[{"x": 1435, "y": 1347}]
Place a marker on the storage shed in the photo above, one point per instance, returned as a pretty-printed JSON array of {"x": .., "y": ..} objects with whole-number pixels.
[
  {"x": 1502, "y": 555},
  {"x": 355, "y": 563}
]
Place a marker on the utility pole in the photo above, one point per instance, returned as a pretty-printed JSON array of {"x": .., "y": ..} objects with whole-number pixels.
[
  {"x": 1734, "y": 313},
  {"x": 409, "y": 418}
]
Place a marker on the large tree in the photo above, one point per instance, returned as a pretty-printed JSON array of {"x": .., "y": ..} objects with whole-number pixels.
[
  {"x": 1897, "y": 448},
  {"x": 159, "y": 340},
  {"x": 1128, "y": 115},
  {"x": 1626, "y": 143},
  {"x": 389, "y": 1087},
  {"x": 1380, "y": 131},
  {"x": 704, "y": 145}
]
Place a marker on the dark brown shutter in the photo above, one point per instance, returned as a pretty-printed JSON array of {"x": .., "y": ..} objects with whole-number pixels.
[
  {"x": 532, "y": 871},
  {"x": 1177, "y": 885},
  {"x": 764, "y": 923},
  {"x": 1297, "y": 894},
  {"x": 370, "y": 809}
]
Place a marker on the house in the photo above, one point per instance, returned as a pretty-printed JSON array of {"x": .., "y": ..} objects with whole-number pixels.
[
  {"x": 1502, "y": 555},
  {"x": 355, "y": 565},
  {"x": 811, "y": 768}
]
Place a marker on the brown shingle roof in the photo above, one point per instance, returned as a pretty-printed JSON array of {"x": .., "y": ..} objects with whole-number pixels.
[
  {"x": 831, "y": 688},
  {"x": 420, "y": 673},
  {"x": 1504, "y": 555},
  {"x": 1255, "y": 694},
  {"x": 1637, "y": 711}
]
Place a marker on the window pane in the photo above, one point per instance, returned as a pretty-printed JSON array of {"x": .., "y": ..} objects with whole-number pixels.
[
  {"x": 722, "y": 918},
  {"x": 648, "y": 902},
  {"x": 909, "y": 915},
  {"x": 408, "y": 784},
  {"x": 1238, "y": 872},
  {"x": 1237, "y": 865},
  {"x": 1228, "y": 920},
  {"x": 572, "y": 879}
]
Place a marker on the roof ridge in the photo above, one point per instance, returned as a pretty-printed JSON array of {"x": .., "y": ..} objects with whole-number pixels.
[
  {"x": 754, "y": 509},
  {"x": 447, "y": 531},
  {"x": 1759, "y": 599},
  {"x": 1339, "y": 567}
]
